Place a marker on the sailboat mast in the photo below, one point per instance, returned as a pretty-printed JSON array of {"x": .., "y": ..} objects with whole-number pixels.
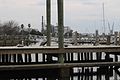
[{"x": 104, "y": 30}]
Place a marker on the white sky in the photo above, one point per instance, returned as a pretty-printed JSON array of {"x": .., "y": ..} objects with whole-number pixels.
[{"x": 80, "y": 15}]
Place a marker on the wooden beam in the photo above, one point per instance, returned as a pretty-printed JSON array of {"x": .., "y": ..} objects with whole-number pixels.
[
  {"x": 50, "y": 50},
  {"x": 48, "y": 16},
  {"x": 57, "y": 65}
]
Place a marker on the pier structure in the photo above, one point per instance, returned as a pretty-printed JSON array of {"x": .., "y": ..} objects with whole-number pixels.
[
  {"x": 79, "y": 56},
  {"x": 66, "y": 58}
]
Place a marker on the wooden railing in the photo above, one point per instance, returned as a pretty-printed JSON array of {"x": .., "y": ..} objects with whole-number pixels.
[{"x": 36, "y": 57}]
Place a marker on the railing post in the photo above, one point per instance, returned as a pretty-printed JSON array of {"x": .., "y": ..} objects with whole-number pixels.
[{"x": 60, "y": 29}]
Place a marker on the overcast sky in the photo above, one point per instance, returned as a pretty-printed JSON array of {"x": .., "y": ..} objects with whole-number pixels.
[{"x": 80, "y": 15}]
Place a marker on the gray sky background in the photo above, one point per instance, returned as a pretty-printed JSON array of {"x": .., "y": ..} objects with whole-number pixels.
[{"x": 80, "y": 15}]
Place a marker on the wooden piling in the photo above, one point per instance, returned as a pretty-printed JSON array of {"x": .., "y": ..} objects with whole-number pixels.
[
  {"x": 75, "y": 38},
  {"x": 119, "y": 38},
  {"x": 108, "y": 39},
  {"x": 115, "y": 38},
  {"x": 64, "y": 72},
  {"x": 96, "y": 38},
  {"x": 48, "y": 13},
  {"x": 60, "y": 28}
]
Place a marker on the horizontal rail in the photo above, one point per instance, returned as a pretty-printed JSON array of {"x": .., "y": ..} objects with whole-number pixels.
[
  {"x": 57, "y": 65},
  {"x": 49, "y": 50}
]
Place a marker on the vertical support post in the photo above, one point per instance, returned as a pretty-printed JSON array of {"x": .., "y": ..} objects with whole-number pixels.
[
  {"x": 68, "y": 55},
  {"x": 60, "y": 28},
  {"x": 64, "y": 72},
  {"x": 29, "y": 58},
  {"x": 75, "y": 38},
  {"x": 36, "y": 57},
  {"x": 43, "y": 57},
  {"x": 14, "y": 58},
  {"x": 115, "y": 38},
  {"x": 25, "y": 58},
  {"x": 42, "y": 30},
  {"x": 108, "y": 40},
  {"x": 48, "y": 10},
  {"x": 72, "y": 57},
  {"x": 97, "y": 38},
  {"x": 78, "y": 56}
]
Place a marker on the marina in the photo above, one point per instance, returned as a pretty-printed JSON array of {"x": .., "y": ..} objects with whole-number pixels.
[{"x": 58, "y": 53}]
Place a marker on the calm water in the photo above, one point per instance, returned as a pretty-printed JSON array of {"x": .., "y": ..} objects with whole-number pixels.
[{"x": 79, "y": 77}]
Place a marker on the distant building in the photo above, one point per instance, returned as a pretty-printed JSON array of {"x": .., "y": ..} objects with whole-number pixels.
[{"x": 54, "y": 29}]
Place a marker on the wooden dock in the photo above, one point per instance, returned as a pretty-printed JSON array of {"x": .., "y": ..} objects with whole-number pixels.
[{"x": 5, "y": 53}]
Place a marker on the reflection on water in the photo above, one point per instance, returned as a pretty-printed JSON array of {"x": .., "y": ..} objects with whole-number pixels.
[{"x": 35, "y": 75}]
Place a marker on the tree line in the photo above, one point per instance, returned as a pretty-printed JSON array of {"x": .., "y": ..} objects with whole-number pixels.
[{"x": 13, "y": 28}]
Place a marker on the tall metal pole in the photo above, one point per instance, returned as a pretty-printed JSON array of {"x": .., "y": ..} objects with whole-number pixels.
[
  {"x": 42, "y": 26},
  {"x": 48, "y": 11},
  {"x": 60, "y": 28},
  {"x": 104, "y": 29}
]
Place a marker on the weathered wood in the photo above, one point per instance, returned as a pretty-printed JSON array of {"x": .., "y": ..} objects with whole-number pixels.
[
  {"x": 78, "y": 56},
  {"x": 108, "y": 40},
  {"x": 57, "y": 65},
  {"x": 50, "y": 50},
  {"x": 119, "y": 38},
  {"x": 82, "y": 57},
  {"x": 25, "y": 58},
  {"x": 91, "y": 56},
  {"x": 43, "y": 57},
  {"x": 60, "y": 28},
  {"x": 6, "y": 58},
  {"x": 20, "y": 59},
  {"x": 96, "y": 38},
  {"x": 36, "y": 57},
  {"x": 3, "y": 57},
  {"x": 115, "y": 38},
  {"x": 29, "y": 58},
  {"x": 68, "y": 56},
  {"x": 48, "y": 16},
  {"x": 14, "y": 57},
  {"x": 71, "y": 56}
]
